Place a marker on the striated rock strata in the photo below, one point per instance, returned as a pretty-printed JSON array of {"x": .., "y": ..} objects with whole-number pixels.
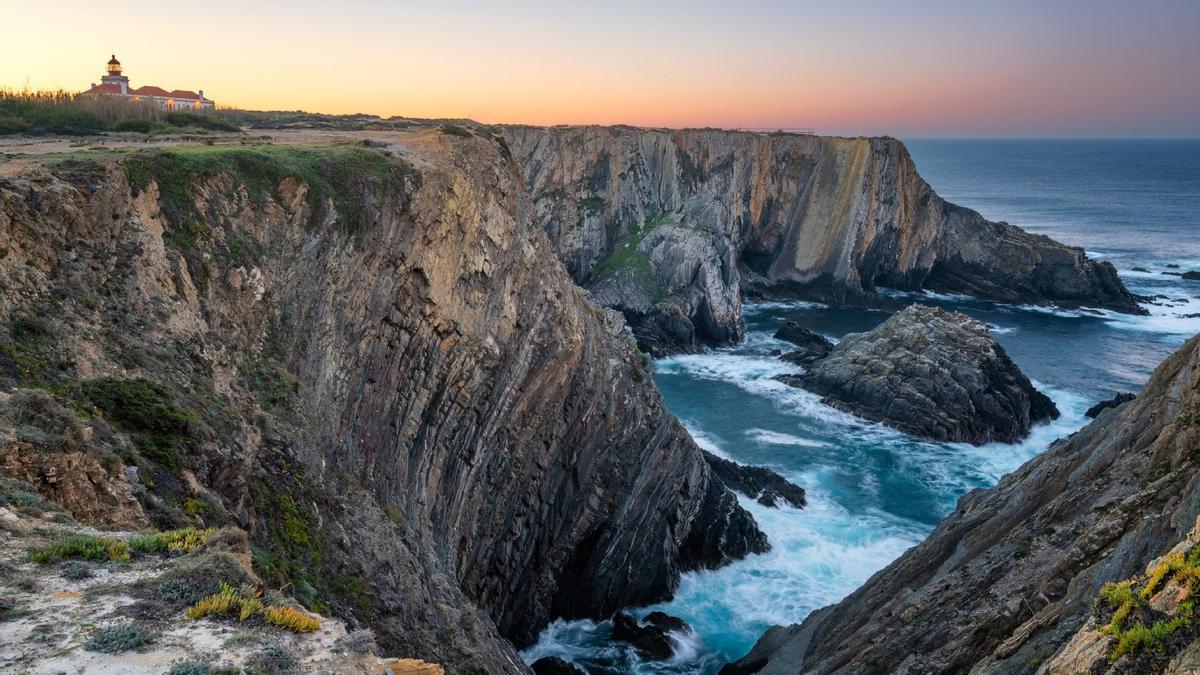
[
  {"x": 674, "y": 227},
  {"x": 371, "y": 360},
  {"x": 1005, "y": 582},
  {"x": 931, "y": 373}
]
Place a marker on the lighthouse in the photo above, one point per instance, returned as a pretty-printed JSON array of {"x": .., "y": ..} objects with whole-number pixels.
[{"x": 113, "y": 76}]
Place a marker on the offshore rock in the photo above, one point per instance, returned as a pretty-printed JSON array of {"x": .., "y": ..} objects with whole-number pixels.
[
  {"x": 673, "y": 228},
  {"x": 1008, "y": 580},
  {"x": 553, "y": 665},
  {"x": 812, "y": 346},
  {"x": 650, "y": 637},
  {"x": 931, "y": 373},
  {"x": 756, "y": 482},
  {"x": 1118, "y": 399}
]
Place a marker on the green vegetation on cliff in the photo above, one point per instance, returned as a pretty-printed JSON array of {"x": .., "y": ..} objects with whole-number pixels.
[{"x": 337, "y": 174}]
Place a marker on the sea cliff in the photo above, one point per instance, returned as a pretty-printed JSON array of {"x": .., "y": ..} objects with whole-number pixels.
[
  {"x": 675, "y": 227},
  {"x": 368, "y": 358}
]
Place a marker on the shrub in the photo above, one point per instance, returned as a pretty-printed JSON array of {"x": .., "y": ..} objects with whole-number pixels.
[
  {"x": 141, "y": 126},
  {"x": 197, "y": 576},
  {"x": 120, "y": 638},
  {"x": 21, "y": 495},
  {"x": 182, "y": 118},
  {"x": 81, "y": 547},
  {"x": 358, "y": 642},
  {"x": 148, "y": 412},
  {"x": 189, "y": 667},
  {"x": 40, "y": 420},
  {"x": 75, "y": 570},
  {"x": 272, "y": 659},
  {"x": 455, "y": 130}
]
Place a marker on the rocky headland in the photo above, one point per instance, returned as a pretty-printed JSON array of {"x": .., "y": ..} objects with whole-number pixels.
[
  {"x": 674, "y": 228},
  {"x": 1082, "y": 560},
  {"x": 931, "y": 373},
  {"x": 369, "y": 359}
]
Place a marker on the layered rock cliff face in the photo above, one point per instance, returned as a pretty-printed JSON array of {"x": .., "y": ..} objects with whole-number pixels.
[
  {"x": 370, "y": 360},
  {"x": 1005, "y": 582},
  {"x": 674, "y": 227}
]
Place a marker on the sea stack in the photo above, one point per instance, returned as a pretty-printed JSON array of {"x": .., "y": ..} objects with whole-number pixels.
[{"x": 932, "y": 373}]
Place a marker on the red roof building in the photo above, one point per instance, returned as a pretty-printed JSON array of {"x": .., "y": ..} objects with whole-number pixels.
[{"x": 115, "y": 83}]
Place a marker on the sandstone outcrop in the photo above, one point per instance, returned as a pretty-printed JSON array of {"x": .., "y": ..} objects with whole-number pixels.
[
  {"x": 371, "y": 360},
  {"x": 1005, "y": 582},
  {"x": 673, "y": 228},
  {"x": 931, "y": 373}
]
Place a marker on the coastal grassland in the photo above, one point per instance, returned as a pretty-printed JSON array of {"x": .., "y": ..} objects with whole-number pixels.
[
  {"x": 71, "y": 114},
  {"x": 626, "y": 255},
  {"x": 336, "y": 174}
]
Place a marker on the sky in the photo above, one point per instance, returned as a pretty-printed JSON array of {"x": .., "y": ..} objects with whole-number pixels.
[{"x": 1018, "y": 68}]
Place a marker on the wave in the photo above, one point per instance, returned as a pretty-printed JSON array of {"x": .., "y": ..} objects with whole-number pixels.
[
  {"x": 754, "y": 374},
  {"x": 776, "y": 305},
  {"x": 768, "y": 437}
]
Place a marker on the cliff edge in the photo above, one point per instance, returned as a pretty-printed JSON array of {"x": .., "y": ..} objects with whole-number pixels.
[
  {"x": 674, "y": 227},
  {"x": 367, "y": 357}
]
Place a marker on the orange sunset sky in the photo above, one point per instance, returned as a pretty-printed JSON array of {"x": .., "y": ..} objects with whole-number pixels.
[{"x": 1017, "y": 68}]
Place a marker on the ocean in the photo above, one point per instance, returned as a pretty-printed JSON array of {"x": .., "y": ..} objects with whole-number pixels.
[{"x": 874, "y": 492}]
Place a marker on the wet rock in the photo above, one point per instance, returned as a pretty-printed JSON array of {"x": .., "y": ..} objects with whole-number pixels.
[
  {"x": 1191, "y": 276},
  {"x": 1011, "y": 578},
  {"x": 553, "y": 665},
  {"x": 1139, "y": 269},
  {"x": 811, "y": 345},
  {"x": 650, "y": 638},
  {"x": 1121, "y": 397},
  {"x": 756, "y": 482},
  {"x": 931, "y": 373}
]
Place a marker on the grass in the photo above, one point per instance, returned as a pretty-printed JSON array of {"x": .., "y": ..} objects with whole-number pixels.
[
  {"x": 230, "y": 600},
  {"x": 338, "y": 174},
  {"x": 628, "y": 256},
  {"x": 186, "y": 540},
  {"x": 81, "y": 547},
  {"x": 69, "y": 113},
  {"x": 1129, "y": 601}
]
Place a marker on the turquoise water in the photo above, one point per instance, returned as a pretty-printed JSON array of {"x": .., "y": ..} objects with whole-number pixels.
[{"x": 874, "y": 492}]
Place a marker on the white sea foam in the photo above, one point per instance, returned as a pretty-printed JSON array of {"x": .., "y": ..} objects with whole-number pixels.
[
  {"x": 750, "y": 308},
  {"x": 776, "y": 438},
  {"x": 753, "y": 374}
]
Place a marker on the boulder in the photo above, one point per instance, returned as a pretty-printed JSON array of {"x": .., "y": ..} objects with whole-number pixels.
[
  {"x": 811, "y": 345},
  {"x": 650, "y": 639},
  {"x": 1121, "y": 397},
  {"x": 1191, "y": 276},
  {"x": 935, "y": 374},
  {"x": 756, "y": 482},
  {"x": 553, "y": 665}
]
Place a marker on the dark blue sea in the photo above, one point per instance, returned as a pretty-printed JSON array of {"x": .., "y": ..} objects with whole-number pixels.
[{"x": 874, "y": 492}]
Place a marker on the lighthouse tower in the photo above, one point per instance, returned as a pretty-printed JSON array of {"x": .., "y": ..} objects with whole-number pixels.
[{"x": 113, "y": 75}]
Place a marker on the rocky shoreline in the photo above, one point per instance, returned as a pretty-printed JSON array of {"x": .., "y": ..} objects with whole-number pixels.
[{"x": 1014, "y": 581}]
